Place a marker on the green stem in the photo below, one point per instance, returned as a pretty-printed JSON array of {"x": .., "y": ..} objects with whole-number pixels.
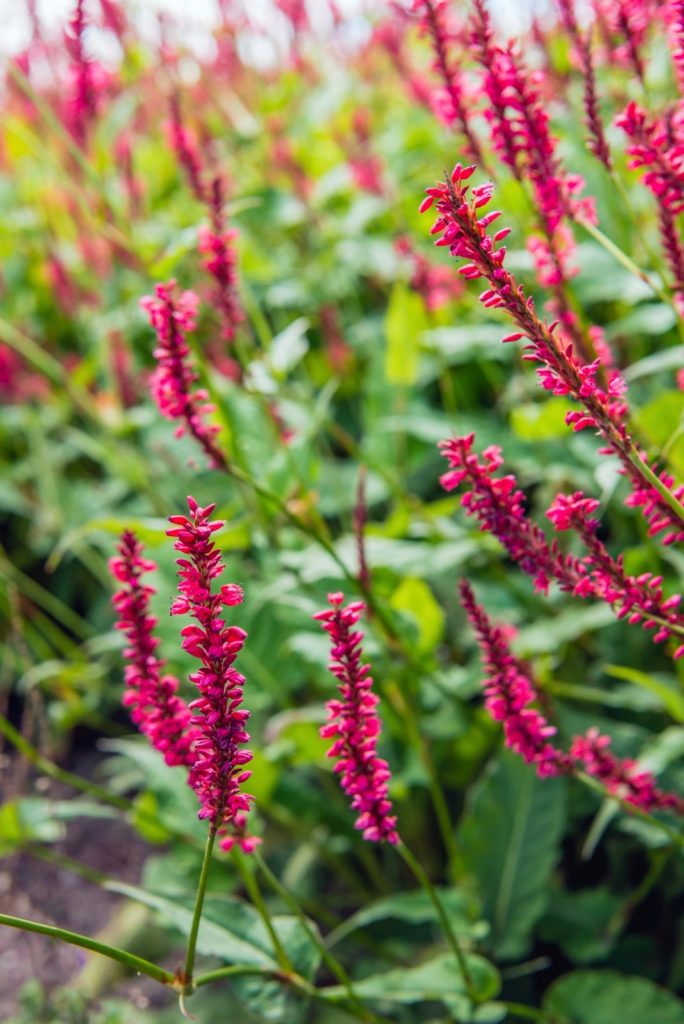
[
  {"x": 422, "y": 877},
  {"x": 136, "y": 963},
  {"x": 331, "y": 962},
  {"x": 666, "y": 494},
  {"x": 252, "y": 886},
  {"x": 199, "y": 903},
  {"x": 525, "y": 1012}
]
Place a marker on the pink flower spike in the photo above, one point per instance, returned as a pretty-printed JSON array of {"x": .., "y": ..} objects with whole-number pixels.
[
  {"x": 173, "y": 380},
  {"x": 355, "y": 725},
  {"x": 218, "y": 771},
  {"x": 510, "y": 693},
  {"x": 150, "y": 696}
]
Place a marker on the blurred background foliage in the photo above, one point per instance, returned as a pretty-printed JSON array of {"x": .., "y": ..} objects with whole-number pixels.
[{"x": 344, "y": 362}]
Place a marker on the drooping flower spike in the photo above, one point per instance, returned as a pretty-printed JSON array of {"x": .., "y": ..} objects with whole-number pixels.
[
  {"x": 511, "y": 696},
  {"x": 498, "y": 505},
  {"x": 219, "y": 771},
  {"x": 354, "y": 724},
  {"x": 462, "y": 227}
]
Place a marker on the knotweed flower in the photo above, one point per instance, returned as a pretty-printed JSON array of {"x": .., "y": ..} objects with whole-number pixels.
[
  {"x": 498, "y": 505},
  {"x": 173, "y": 381},
  {"x": 354, "y": 723},
  {"x": 510, "y": 693},
  {"x": 622, "y": 777},
  {"x": 639, "y": 599},
  {"x": 657, "y": 146},
  {"x": 184, "y": 144},
  {"x": 598, "y": 143},
  {"x": 87, "y": 78},
  {"x": 217, "y": 244},
  {"x": 150, "y": 695},
  {"x": 218, "y": 771},
  {"x": 452, "y": 103},
  {"x": 464, "y": 230}
]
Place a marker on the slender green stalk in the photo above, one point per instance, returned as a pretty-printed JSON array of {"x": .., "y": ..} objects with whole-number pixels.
[
  {"x": 252, "y": 886},
  {"x": 645, "y": 470},
  {"x": 136, "y": 963},
  {"x": 422, "y": 877},
  {"x": 626, "y": 261},
  {"x": 525, "y": 1012},
  {"x": 197, "y": 913},
  {"x": 331, "y": 962}
]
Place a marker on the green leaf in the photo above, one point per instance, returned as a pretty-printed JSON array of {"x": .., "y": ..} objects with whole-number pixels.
[
  {"x": 606, "y": 997},
  {"x": 578, "y": 922},
  {"x": 665, "y": 689},
  {"x": 415, "y": 597},
  {"x": 27, "y": 820},
  {"x": 416, "y": 908},
  {"x": 668, "y": 360},
  {"x": 239, "y": 939},
  {"x": 438, "y": 979},
  {"x": 510, "y": 838},
  {"x": 540, "y": 421},
  {"x": 405, "y": 321}
]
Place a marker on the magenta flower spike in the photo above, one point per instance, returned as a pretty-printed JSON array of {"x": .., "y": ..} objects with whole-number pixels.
[
  {"x": 452, "y": 103},
  {"x": 354, "y": 723},
  {"x": 510, "y": 695},
  {"x": 462, "y": 227},
  {"x": 219, "y": 769},
  {"x": 639, "y": 599},
  {"x": 510, "y": 692},
  {"x": 174, "y": 379},
  {"x": 150, "y": 694},
  {"x": 498, "y": 505},
  {"x": 656, "y": 148},
  {"x": 622, "y": 777},
  {"x": 217, "y": 245}
]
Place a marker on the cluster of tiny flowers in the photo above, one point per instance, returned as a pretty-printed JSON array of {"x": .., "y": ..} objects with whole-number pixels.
[
  {"x": 355, "y": 725},
  {"x": 639, "y": 599},
  {"x": 657, "y": 147},
  {"x": 218, "y": 770},
  {"x": 173, "y": 380},
  {"x": 628, "y": 21},
  {"x": 150, "y": 695},
  {"x": 87, "y": 78},
  {"x": 217, "y": 244},
  {"x": 519, "y": 126},
  {"x": 582, "y": 55},
  {"x": 452, "y": 103},
  {"x": 182, "y": 141},
  {"x": 509, "y": 693},
  {"x": 365, "y": 166},
  {"x": 462, "y": 228},
  {"x": 675, "y": 26},
  {"x": 510, "y": 696},
  {"x": 622, "y": 777},
  {"x": 498, "y": 505}
]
